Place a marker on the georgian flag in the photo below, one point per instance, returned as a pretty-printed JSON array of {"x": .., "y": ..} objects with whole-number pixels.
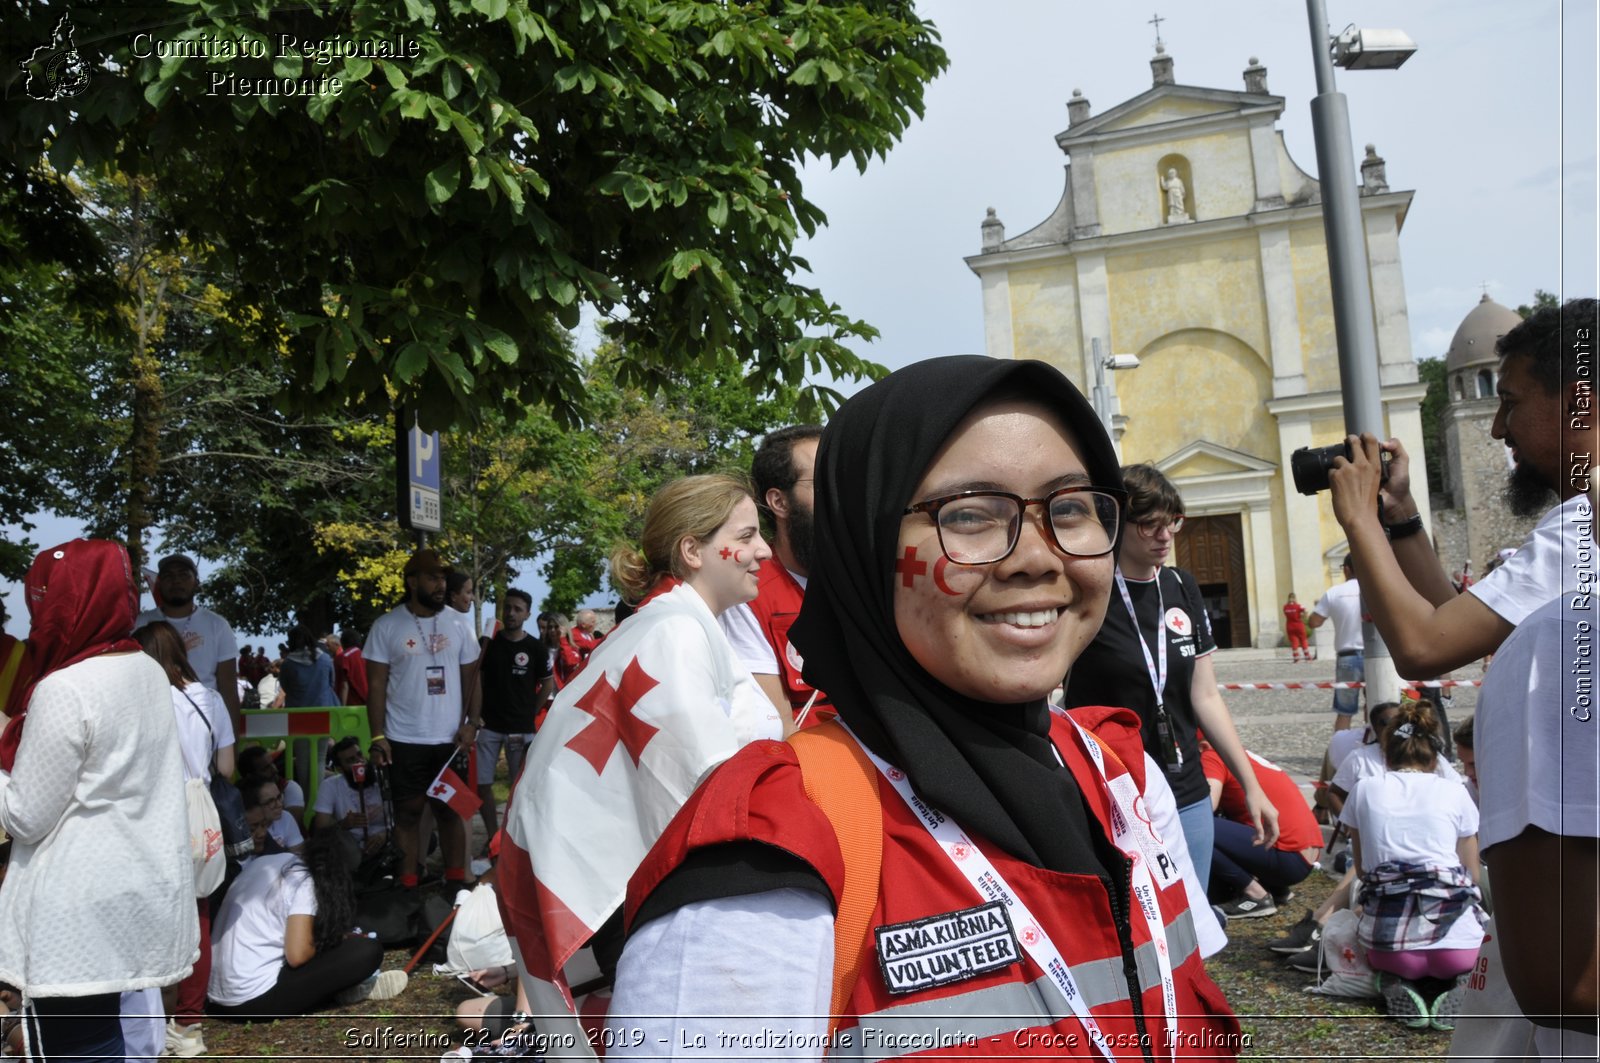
[{"x": 659, "y": 704}]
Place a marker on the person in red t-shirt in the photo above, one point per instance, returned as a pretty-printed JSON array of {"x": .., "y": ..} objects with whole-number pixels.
[
  {"x": 351, "y": 669},
  {"x": 1250, "y": 880},
  {"x": 1294, "y": 625}
]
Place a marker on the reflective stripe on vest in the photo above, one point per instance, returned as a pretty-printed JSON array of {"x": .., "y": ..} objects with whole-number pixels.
[{"x": 918, "y": 1026}]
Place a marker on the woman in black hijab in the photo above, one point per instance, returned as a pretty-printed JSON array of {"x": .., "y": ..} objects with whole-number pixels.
[{"x": 967, "y": 513}]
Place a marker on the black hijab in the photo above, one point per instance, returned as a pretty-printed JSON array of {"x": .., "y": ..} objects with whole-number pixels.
[{"x": 989, "y": 766}]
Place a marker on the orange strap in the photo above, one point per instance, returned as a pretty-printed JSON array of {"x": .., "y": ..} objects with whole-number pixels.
[{"x": 840, "y": 781}]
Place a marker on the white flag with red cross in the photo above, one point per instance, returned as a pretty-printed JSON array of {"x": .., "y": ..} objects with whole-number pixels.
[
  {"x": 661, "y": 702},
  {"x": 448, "y": 788}
]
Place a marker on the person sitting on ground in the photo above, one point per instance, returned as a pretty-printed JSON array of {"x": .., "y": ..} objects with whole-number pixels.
[
  {"x": 284, "y": 943},
  {"x": 1415, "y": 839},
  {"x": 307, "y": 671},
  {"x": 351, "y": 799},
  {"x": 284, "y": 829},
  {"x": 1247, "y": 880},
  {"x": 261, "y": 762},
  {"x": 1303, "y": 941}
]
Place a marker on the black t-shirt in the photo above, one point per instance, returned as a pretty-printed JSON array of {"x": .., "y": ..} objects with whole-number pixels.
[
  {"x": 513, "y": 673},
  {"x": 1112, "y": 670}
]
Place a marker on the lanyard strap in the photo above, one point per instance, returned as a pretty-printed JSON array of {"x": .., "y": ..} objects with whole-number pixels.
[
  {"x": 1134, "y": 835},
  {"x": 1158, "y": 671},
  {"x": 986, "y": 879}
]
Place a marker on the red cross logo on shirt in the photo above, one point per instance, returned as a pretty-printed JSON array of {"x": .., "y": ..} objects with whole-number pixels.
[
  {"x": 614, "y": 721},
  {"x": 411, "y": 644}
]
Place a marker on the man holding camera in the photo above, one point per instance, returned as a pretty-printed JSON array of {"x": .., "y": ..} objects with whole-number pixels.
[
  {"x": 1428, "y": 627},
  {"x": 1537, "y": 747}
]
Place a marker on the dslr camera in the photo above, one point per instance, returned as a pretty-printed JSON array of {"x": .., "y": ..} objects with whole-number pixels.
[{"x": 1310, "y": 466}]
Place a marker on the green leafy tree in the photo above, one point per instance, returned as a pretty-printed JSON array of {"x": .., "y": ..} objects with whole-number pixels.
[
  {"x": 428, "y": 231},
  {"x": 1542, "y": 300}
]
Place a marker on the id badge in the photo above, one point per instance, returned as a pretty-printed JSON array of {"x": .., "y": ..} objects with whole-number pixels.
[{"x": 435, "y": 675}]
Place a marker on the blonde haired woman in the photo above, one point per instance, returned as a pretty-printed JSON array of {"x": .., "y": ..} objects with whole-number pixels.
[{"x": 661, "y": 702}]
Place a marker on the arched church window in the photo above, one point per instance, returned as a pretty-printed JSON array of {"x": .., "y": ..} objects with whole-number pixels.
[{"x": 1485, "y": 384}]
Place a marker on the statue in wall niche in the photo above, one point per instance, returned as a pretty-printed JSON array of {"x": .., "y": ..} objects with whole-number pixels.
[{"x": 1172, "y": 185}]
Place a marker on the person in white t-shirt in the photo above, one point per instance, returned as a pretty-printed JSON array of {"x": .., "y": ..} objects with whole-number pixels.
[
  {"x": 351, "y": 799},
  {"x": 282, "y": 828},
  {"x": 420, "y": 659},
  {"x": 1537, "y": 751},
  {"x": 283, "y": 943},
  {"x": 207, "y": 638},
  {"x": 1414, "y": 835},
  {"x": 1342, "y": 605},
  {"x": 1545, "y": 419}
]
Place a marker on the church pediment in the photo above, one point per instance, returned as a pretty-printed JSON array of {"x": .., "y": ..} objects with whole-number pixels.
[
  {"x": 1167, "y": 103},
  {"x": 1205, "y": 460}
]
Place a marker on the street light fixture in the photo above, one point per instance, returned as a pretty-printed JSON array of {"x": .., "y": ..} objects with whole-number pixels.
[
  {"x": 1101, "y": 397},
  {"x": 1359, "y": 49}
]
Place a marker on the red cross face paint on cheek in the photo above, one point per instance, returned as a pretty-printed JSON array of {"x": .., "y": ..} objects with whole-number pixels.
[{"x": 908, "y": 568}]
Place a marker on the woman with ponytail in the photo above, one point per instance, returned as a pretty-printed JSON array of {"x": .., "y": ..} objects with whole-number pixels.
[
  {"x": 1415, "y": 839},
  {"x": 662, "y": 701}
]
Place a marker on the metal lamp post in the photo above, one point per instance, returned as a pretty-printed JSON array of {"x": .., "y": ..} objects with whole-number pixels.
[{"x": 1348, "y": 273}]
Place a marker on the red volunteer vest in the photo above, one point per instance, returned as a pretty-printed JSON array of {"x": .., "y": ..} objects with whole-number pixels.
[
  {"x": 964, "y": 986},
  {"x": 776, "y": 605}
]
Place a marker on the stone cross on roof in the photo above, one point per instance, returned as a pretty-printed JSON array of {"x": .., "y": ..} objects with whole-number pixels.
[{"x": 1156, "y": 22}]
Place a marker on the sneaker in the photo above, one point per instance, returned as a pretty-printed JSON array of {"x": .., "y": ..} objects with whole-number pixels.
[
  {"x": 1304, "y": 936},
  {"x": 1309, "y": 961},
  {"x": 1405, "y": 1004},
  {"x": 184, "y": 1041},
  {"x": 1249, "y": 908},
  {"x": 1442, "y": 1016},
  {"x": 1282, "y": 899},
  {"x": 380, "y": 986}
]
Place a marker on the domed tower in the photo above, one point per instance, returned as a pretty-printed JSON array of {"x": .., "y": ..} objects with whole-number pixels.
[{"x": 1474, "y": 522}]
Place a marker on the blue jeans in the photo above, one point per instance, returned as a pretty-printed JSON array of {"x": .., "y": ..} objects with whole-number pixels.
[
  {"x": 77, "y": 1029},
  {"x": 1237, "y": 860},
  {"x": 1198, "y": 832},
  {"x": 1350, "y": 668}
]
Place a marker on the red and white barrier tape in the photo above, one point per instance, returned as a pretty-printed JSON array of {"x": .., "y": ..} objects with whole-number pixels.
[{"x": 1346, "y": 686}]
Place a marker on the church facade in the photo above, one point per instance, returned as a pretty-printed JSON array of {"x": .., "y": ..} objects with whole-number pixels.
[{"x": 1187, "y": 237}]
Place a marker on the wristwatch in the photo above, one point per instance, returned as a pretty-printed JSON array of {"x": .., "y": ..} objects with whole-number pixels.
[{"x": 1405, "y": 528}]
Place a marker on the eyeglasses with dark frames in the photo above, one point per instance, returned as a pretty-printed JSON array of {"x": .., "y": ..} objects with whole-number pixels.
[
  {"x": 1150, "y": 527},
  {"x": 982, "y": 527}
]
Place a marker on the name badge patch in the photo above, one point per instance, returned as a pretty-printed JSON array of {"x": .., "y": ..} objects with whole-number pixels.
[{"x": 947, "y": 948}]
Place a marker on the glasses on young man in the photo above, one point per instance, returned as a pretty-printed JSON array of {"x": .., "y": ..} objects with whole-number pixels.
[
  {"x": 1153, "y": 526},
  {"x": 982, "y": 527}
]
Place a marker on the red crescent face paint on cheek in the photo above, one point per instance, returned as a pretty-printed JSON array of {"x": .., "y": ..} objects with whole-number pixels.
[
  {"x": 738, "y": 557},
  {"x": 938, "y": 577}
]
